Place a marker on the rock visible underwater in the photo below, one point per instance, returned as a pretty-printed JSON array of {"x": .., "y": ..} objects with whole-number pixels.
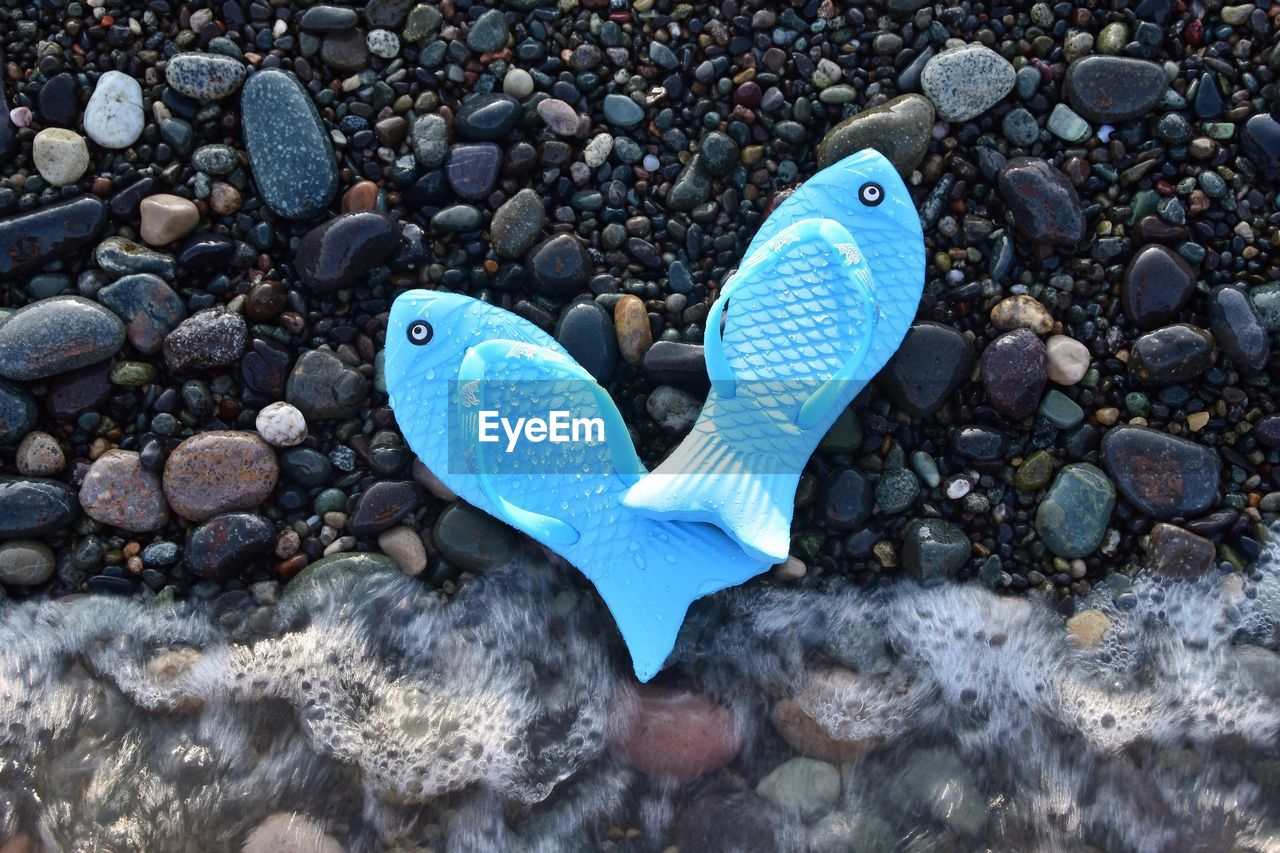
[{"x": 372, "y": 713}]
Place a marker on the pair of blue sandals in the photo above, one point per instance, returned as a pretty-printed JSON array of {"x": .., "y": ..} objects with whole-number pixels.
[{"x": 827, "y": 291}]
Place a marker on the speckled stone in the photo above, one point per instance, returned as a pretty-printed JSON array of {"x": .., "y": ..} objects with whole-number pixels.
[
  {"x": 31, "y": 506},
  {"x": 1073, "y": 517},
  {"x": 1177, "y": 553},
  {"x": 1173, "y": 354},
  {"x": 214, "y": 337},
  {"x": 55, "y": 335},
  {"x": 60, "y": 156},
  {"x": 966, "y": 81},
  {"x": 219, "y": 471},
  {"x": 120, "y": 492},
  {"x": 204, "y": 76},
  {"x": 289, "y": 149}
]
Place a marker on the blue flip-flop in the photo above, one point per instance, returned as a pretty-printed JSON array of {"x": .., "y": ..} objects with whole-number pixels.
[{"x": 455, "y": 366}]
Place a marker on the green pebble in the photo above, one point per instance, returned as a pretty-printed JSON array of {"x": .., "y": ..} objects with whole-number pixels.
[
  {"x": 1034, "y": 472},
  {"x": 330, "y": 500},
  {"x": 845, "y": 435},
  {"x": 1113, "y": 38},
  {"x": 1065, "y": 124},
  {"x": 927, "y": 468},
  {"x": 1060, "y": 410},
  {"x": 1137, "y": 404},
  {"x": 132, "y": 373}
]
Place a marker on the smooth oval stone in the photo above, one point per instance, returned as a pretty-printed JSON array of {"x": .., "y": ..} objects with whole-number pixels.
[
  {"x": 1014, "y": 372},
  {"x": 214, "y": 337},
  {"x": 289, "y": 150},
  {"x": 487, "y": 117},
  {"x": 1073, "y": 517},
  {"x": 1260, "y": 140},
  {"x": 560, "y": 266},
  {"x": 167, "y": 217},
  {"x": 632, "y": 328},
  {"x": 586, "y": 332},
  {"x": 305, "y": 466},
  {"x": 219, "y": 471},
  {"x": 204, "y": 76},
  {"x": 1163, "y": 476},
  {"x": 472, "y": 539},
  {"x": 517, "y": 224},
  {"x": 120, "y": 492},
  {"x": 149, "y": 307},
  {"x": 966, "y": 81},
  {"x": 34, "y": 507},
  {"x": 1157, "y": 284},
  {"x": 219, "y": 548},
  {"x": 17, "y": 412},
  {"x": 622, "y": 111},
  {"x": 382, "y": 505},
  {"x": 1237, "y": 328},
  {"x": 28, "y": 240},
  {"x": 323, "y": 388},
  {"x": 932, "y": 362},
  {"x": 342, "y": 251},
  {"x": 472, "y": 169},
  {"x": 328, "y": 19},
  {"x": 1045, "y": 206},
  {"x": 26, "y": 562},
  {"x": 205, "y": 251},
  {"x": 1171, "y": 355},
  {"x": 56, "y": 103},
  {"x": 899, "y": 129},
  {"x": 682, "y": 365},
  {"x": 113, "y": 117},
  {"x": 1112, "y": 89},
  {"x": 56, "y": 335},
  {"x": 979, "y": 445}
]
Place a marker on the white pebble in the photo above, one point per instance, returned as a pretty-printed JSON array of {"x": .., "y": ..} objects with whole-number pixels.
[
  {"x": 61, "y": 156},
  {"x": 20, "y": 116},
  {"x": 1068, "y": 359},
  {"x": 39, "y": 455},
  {"x": 518, "y": 83},
  {"x": 281, "y": 424},
  {"x": 958, "y": 488},
  {"x": 598, "y": 150},
  {"x": 114, "y": 117},
  {"x": 650, "y": 163}
]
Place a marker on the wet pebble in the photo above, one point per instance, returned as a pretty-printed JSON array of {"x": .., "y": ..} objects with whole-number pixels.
[
  {"x": 29, "y": 239},
  {"x": 33, "y": 506},
  {"x": 204, "y": 76},
  {"x": 899, "y": 129},
  {"x": 25, "y": 563},
  {"x": 214, "y": 337},
  {"x": 60, "y": 156},
  {"x": 1014, "y": 369},
  {"x": 289, "y": 149},
  {"x": 560, "y": 266},
  {"x": 1045, "y": 206},
  {"x": 224, "y": 545},
  {"x": 586, "y": 333},
  {"x": 1237, "y": 329},
  {"x": 928, "y": 367},
  {"x": 17, "y": 412},
  {"x": 933, "y": 549},
  {"x": 1161, "y": 475},
  {"x": 517, "y": 223},
  {"x": 113, "y": 117},
  {"x": 219, "y": 471},
  {"x": 1173, "y": 354},
  {"x": 381, "y": 505},
  {"x": 281, "y": 425},
  {"x": 1072, "y": 519},
  {"x": 148, "y": 306},
  {"x": 674, "y": 734},
  {"x": 119, "y": 491},
  {"x": 472, "y": 169},
  {"x": 672, "y": 409},
  {"x": 55, "y": 335},
  {"x": 39, "y": 455},
  {"x": 471, "y": 539},
  {"x": 1113, "y": 89},
  {"x": 323, "y": 388},
  {"x": 966, "y": 81},
  {"x": 1157, "y": 284},
  {"x": 342, "y": 251}
]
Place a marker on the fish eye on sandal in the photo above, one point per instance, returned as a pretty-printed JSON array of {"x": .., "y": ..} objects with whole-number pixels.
[
  {"x": 420, "y": 332},
  {"x": 871, "y": 194}
]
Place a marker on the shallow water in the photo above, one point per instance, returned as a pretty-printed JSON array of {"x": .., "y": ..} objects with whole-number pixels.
[{"x": 372, "y": 713}]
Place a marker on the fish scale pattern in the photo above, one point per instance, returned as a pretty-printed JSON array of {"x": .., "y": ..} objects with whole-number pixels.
[{"x": 647, "y": 571}]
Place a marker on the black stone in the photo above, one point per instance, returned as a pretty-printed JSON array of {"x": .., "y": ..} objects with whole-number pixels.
[
  {"x": 1014, "y": 372},
  {"x": 381, "y": 506},
  {"x": 204, "y": 251},
  {"x": 487, "y": 117},
  {"x": 222, "y": 546},
  {"x": 342, "y": 251},
  {"x": 1260, "y": 140},
  {"x": 586, "y": 332},
  {"x": 847, "y": 499},
  {"x": 60, "y": 230},
  {"x": 34, "y": 506},
  {"x": 679, "y": 364},
  {"x": 305, "y": 466},
  {"x": 1157, "y": 284},
  {"x": 265, "y": 368},
  {"x": 56, "y": 104},
  {"x": 932, "y": 362},
  {"x": 1170, "y": 355},
  {"x": 1113, "y": 89},
  {"x": 560, "y": 266},
  {"x": 1237, "y": 329},
  {"x": 978, "y": 445}
]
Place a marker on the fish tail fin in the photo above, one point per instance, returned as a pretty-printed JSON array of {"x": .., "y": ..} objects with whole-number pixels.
[{"x": 747, "y": 494}]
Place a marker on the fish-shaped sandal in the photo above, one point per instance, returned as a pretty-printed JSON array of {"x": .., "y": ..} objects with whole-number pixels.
[
  {"x": 800, "y": 320},
  {"x": 461, "y": 374},
  {"x": 865, "y": 194}
]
